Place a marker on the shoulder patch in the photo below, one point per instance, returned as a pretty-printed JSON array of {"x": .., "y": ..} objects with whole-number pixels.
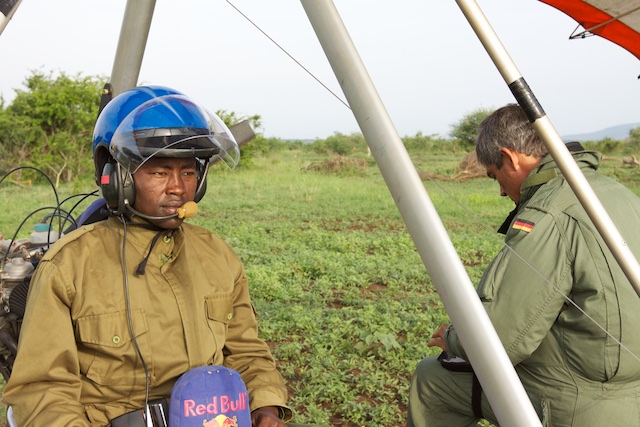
[
  {"x": 523, "y": 224},
  {"x": 66, "y": 239}
]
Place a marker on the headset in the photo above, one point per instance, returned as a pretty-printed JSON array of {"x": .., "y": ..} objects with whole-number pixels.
[
  {"x": 118, "y": 188},
  {"x": 151, "y": 121}
]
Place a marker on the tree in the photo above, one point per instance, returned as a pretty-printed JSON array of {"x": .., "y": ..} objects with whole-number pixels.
[
  {"x": 50, "y": 123},
  {"x": 230, "y": 118},
  {"x": 426, "y": 144},
  {"x": 341, "y": 144},
  {"x": 466, "y": 130},
  {"x": 634, "y": 140}
]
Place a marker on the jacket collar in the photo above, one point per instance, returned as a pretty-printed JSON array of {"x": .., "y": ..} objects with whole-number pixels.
[
  {"x": 548, "y": 169},
  {"x": 545, "y": 172},
  {"x": 144, "y": 238}
]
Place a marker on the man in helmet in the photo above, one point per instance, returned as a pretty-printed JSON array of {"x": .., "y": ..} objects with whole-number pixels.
[
  {"x": 562, "y": 307},
  {"x": 119, "y": 309}
]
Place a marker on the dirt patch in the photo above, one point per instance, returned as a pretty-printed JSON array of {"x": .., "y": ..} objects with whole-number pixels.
[
  {"x": 340, "y": 165},
  {"x": 467, "y": 169}
]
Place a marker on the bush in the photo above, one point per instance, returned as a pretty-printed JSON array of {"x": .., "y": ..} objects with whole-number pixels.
[
  {"x": 49, "y": 125},
  {"x": 340, "y": 144},
  {"x": 344, "y": 166},
  {"x": 423, "y": 144}
]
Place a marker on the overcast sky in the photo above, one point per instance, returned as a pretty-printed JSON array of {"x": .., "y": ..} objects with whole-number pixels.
[{"x": 426, "y": 62}]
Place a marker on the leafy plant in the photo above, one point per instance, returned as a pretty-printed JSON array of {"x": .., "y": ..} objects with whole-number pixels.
[{"x": 49, "y": 124}]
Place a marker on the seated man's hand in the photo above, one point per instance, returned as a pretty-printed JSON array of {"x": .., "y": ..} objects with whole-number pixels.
[
  {"x": 266, "y": 416},
  {"x": 437, "y": 339}
]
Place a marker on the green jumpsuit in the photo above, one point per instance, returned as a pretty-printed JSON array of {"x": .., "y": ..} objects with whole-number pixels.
[{"x": 549, "y": 293}]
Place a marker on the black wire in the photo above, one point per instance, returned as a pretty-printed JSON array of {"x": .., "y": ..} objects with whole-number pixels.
[
  {"x": 53, "y": 187},
  {"x": 84, "y": 196},
  {"x": 13, "y": 239},
  {"x": 63, "y": 215},
  {"x": 289, "y": 55},
  {"x": 55, "y": 192},
  {"x": 125, "y": 277},
  {"x": 60, "y": 213}
]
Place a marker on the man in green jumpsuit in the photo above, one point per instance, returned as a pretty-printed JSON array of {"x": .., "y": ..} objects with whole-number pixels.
[
  {"x": 565, "y": 312},
  {"x": 120, "y": 309}
]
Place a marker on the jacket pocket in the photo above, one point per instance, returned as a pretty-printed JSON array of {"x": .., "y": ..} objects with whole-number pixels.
[
  {"x": 219, "y": 311},
  {"x": 492, "y": 277},
  {"x": 107, "y": 353},
  {"x": 545, "y": 410}
]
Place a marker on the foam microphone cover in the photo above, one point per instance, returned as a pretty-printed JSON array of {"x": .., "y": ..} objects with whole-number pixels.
[
  {"x": 188, "y": 210},
  {"x": 212, "y": 396}
]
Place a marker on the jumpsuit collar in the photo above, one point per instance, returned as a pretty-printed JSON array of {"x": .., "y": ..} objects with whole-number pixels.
[{"x": 545, "y": 172}]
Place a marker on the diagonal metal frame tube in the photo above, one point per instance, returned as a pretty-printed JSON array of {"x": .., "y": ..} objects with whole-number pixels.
[
  {"x": 7, "y": 9},
  {"x": 490, "y": 361},
  {"x": 131, "y": 44}
]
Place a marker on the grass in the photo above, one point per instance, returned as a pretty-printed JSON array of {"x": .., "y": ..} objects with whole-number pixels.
[
  {"x": 342, "y": 293},
  {"x": 343, "y": 298}
]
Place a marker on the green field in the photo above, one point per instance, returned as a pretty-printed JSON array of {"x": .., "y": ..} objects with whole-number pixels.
[{"x": 342, "y": 296}]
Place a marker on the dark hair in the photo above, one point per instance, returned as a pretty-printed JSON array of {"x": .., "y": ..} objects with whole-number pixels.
[{"x": 507, "y": 127}]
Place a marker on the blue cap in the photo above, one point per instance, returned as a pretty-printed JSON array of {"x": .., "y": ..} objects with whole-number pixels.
[
  {"x": 41, "y": 227},
  {"x": 209, "y": 396}
]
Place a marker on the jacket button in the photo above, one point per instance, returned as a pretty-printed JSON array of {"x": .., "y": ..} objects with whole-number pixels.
[
  {"x": 116, "y": 339},
  {"x": 229, "y": 316}
]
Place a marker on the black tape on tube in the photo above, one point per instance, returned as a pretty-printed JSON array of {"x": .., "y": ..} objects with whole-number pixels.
[{"x": 527, "y": 100}]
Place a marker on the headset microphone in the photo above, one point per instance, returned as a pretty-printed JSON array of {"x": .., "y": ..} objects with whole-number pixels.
[{"x": 188, "y": 210}]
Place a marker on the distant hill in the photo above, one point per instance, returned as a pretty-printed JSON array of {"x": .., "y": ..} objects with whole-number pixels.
[{"x": 615, "y": 132}]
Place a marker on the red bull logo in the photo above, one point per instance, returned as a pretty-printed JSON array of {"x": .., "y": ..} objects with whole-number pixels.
[
  {"x": 218, "y": 405},
  {"x": 221, "y": 421}
]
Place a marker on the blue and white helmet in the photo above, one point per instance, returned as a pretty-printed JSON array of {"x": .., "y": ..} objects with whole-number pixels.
[{"x": 149, "y": 121}]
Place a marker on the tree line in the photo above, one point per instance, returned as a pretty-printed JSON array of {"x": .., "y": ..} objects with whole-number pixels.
[{"x": 49, "y": 125}]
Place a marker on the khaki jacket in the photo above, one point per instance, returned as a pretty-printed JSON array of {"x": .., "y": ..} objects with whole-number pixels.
[
  {"x": 77, "y": 364},
  {"x": 574, "y": 372}
]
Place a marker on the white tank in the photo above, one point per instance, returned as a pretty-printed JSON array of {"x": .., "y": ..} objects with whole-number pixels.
[{"x": 41, "y": 235}]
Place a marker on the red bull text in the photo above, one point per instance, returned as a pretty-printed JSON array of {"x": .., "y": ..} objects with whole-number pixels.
[{"x": 218, "y": 405}]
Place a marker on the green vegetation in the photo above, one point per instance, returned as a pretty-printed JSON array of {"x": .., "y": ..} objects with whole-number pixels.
[
  {"x": 48, "y": 125},
  {"x": 342, "y": 295},
  {"x": 464, "y": 131}
]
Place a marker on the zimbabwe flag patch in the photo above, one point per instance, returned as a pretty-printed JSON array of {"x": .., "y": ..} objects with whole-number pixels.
[{"x": 524, "y": 225}]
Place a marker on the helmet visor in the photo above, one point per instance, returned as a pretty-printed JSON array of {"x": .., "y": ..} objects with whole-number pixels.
[
  {"x": 172, "y": 126},
  {"x": 229, "y": 151}
]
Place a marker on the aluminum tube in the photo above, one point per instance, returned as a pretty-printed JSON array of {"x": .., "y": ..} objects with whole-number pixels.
[
  {"x": 558, "y": 150},
  {"x": 7, "y": 11},
  {"x": 131, "y": 44},
  {"x": 491, "y": 363}
]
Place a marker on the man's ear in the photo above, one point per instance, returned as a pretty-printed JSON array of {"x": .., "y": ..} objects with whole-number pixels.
[{"x": 510, "y": 158}]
